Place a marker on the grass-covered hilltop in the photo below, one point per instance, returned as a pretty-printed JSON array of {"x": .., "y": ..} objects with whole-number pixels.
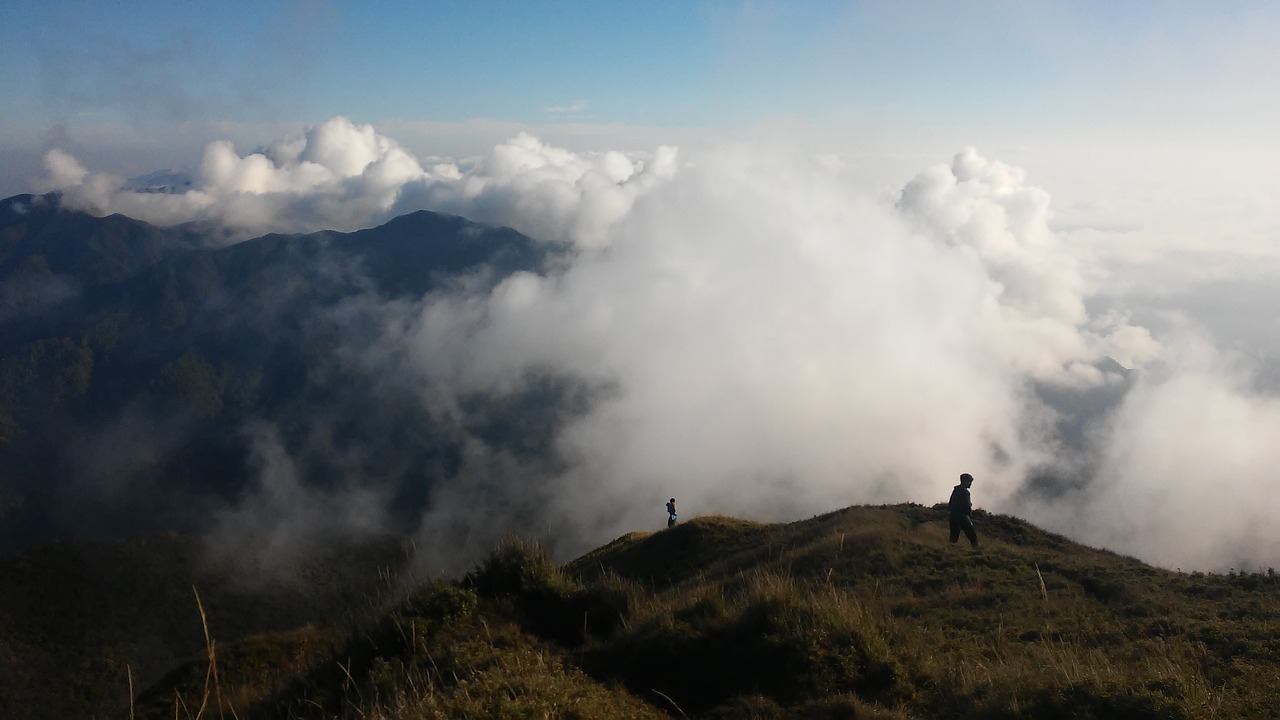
[{"x": 865, "y": 612}]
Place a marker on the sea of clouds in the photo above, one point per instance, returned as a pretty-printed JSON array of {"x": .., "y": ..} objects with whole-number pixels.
[{"x": 760, "y": 335}]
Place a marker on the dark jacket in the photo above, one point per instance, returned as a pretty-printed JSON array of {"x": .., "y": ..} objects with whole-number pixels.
[{"x": 961, "y": 502}]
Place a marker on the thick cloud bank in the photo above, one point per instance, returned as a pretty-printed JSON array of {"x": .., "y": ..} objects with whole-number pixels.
[
  {"x": 1186, "y": 467},
  {"x": 750, "y": 332}
]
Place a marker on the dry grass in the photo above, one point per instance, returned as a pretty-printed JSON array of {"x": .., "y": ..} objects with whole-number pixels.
[{"x": 864, "y": 613}]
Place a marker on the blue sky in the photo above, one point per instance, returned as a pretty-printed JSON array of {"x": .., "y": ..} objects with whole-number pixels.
[
  {"x": 666, "y": 64},
  {"x": 307, "y": 61}
]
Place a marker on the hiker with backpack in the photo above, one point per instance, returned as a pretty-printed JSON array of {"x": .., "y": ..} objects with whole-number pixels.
[{"x": 671, "y": 512}]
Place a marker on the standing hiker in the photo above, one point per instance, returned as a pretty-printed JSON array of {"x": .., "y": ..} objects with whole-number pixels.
[
  {"x": 960, "y": 506},
  {"x": 671, "y": 512}
]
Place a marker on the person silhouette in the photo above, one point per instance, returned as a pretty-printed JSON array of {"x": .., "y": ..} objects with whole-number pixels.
[
  {"x": 671, "y": 512},
  {"x": 960, "y": 506}
]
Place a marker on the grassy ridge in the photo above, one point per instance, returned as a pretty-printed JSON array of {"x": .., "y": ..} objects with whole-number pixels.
[
  {"x": 1031, "y": 626},
  {"x": 862, "y": 613}
]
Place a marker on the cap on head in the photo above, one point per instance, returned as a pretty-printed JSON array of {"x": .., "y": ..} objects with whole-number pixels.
[{"x": 966, "y": 478}]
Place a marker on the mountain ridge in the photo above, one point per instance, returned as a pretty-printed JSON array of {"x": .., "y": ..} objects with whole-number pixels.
[
  {"x": 133, "y": 358},
  {"x": 862, "y": 612}
]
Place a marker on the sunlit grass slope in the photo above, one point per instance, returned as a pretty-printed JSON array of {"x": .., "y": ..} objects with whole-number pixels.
[{"x": 862, "y": 613}]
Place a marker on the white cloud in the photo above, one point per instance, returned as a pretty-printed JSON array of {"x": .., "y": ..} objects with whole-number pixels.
[
  {"x": 576, "y": 106},
  {"x": 1185, "y": 473},
  {"x": 342, "y": 176},
  {"x": 773, "y": 342},
  {"x": 337, "y": 175},
  {"x": 544, "y": 191},
  {"x": 764, "y": 335},
  {"x": 279, "y": 519}
]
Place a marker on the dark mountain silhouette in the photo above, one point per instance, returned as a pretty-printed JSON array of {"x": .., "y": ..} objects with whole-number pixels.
[{"x": 133, "y": 358}]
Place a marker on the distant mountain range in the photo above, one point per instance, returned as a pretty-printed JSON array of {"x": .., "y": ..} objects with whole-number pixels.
[{"x": 132, "y": 357}]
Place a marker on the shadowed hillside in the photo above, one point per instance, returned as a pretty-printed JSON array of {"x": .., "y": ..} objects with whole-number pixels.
[
  {"x": 78, "y": 618},
  {"x": 141, "y": 367},
  {"x": 862, "y": 613}
]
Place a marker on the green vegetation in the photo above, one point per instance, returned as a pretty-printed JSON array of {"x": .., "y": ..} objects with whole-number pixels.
[
  {"x": 198, "y": 381},
  {"x": 862, "y": 613}
]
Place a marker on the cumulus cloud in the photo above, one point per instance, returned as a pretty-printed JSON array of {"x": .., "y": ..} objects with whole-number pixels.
[
  {"x": 544, "y": 191},
  {"x": 752, "y": 332},
  {"x": 765, "y": 340},
  {"x": 339, "y": 175}
]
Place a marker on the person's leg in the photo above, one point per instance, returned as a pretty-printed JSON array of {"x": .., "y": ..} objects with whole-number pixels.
[
  {"x": 969, "y": 532},
  {"x": 955, "y": 530}
]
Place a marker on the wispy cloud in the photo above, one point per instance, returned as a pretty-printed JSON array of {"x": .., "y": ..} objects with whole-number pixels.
[{"x": 576, "y": 106}]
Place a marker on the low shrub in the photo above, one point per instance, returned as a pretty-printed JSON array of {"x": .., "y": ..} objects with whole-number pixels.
[
  {"x": 517, "y": 568},
  {"x": 439, "y": 602}
]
